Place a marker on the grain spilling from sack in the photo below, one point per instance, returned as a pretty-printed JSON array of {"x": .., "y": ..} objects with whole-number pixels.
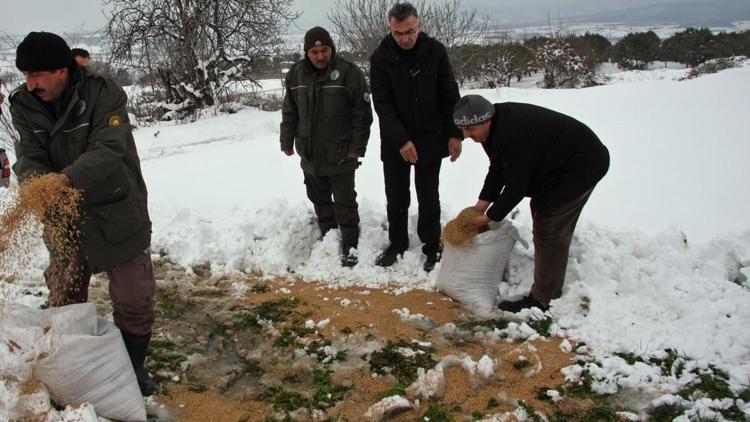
[
  {"x": 41, "y": 200},
  {"x": 459, "y": 230}
]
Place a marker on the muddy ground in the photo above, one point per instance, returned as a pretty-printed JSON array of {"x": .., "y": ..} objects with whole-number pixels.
[{"x": 246, "y": 349}]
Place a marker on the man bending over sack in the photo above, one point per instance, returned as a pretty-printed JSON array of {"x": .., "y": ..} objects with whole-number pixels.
[{"x": 542, "y": 154}]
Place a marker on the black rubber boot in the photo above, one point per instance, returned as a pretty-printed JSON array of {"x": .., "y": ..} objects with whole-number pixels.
[
  {"x": 137, "y": 347},
  {"x": 349, "y": 241},
  {"x": 325, "y": 227}
]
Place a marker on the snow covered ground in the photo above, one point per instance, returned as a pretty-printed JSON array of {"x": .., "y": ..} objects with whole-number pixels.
[{"x": 661, "y": 257}]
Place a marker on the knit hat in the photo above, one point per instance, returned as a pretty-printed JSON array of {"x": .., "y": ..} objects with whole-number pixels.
[
  {"x": 316, "y": 37},
  {"x": 42, "y": 51},
  {"x": 472, "y": 110}
]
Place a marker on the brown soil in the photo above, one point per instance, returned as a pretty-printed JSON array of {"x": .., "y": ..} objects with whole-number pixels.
[{"x": 369, "y": 312}]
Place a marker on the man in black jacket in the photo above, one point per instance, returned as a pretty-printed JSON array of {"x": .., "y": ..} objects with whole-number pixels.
[
  {"x": 327, "y": 116},
  {"x": 547, "y": 156},
  {"x": 414, "y": 92}
]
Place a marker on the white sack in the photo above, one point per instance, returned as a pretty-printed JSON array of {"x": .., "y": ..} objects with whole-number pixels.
[
  {"x": 80, "y": 358},
  {"x": 470, "y": 272}
]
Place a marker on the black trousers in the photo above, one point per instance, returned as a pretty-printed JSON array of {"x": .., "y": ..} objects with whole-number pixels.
[
  {"x": 343, "y": 209},
  {"x": 397, "y": 192}
]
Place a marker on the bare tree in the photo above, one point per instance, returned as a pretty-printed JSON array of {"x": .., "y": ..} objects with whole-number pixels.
[
  {"x": 563, "y": 66},
  {"x": 361, "y": 24},
  {"x": 194, "y": 48}
]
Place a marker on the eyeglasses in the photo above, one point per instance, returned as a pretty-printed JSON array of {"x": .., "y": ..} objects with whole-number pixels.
[{"x": 408, "y": 33}]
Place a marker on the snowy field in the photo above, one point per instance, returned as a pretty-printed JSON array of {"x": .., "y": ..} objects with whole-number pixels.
[{"x": 661, "y": 254}]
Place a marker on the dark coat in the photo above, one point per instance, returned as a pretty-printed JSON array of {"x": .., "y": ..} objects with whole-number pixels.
[
  {"x": 539, "y": 153},
  {"x": 326, "y": 115},
  {"x": 418, "y": 105},
  {"x": 91, "y": 143}
]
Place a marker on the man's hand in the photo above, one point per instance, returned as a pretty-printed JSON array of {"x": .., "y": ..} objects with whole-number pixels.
[
  {"x": 353, "y": 156},
  {"x": 409, "y": 152},
  {"x": 288, "y": 152},
  {"x": 454, "y": 148},
  {"x": 482, "y": 205},
  {"x": 479, "y": 222}
]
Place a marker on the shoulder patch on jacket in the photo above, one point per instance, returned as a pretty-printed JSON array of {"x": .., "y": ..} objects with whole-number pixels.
[{"x": 115, "y": 120}]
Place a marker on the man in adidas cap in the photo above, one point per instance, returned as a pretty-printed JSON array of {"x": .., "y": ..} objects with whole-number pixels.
[{"x": 539, "y": 153}]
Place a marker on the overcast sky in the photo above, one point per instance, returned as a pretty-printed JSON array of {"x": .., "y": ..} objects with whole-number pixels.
[{"x": 22, "y": 16}]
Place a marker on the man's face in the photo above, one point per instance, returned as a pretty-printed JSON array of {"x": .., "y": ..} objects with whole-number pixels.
[
  {"x": 320, "y": 56},
  {"x": 478, "y": 133},
  {"x": 405, "y": 32},
  {"x": 49, "y": 85},
  {"x": 82, "y": 61}
]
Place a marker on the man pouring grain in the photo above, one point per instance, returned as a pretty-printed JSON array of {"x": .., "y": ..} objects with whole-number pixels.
[
  {"x": 74, "y": 129},
  {"x": 326, "y": 117},
  {"x": 547, "y": 156}
]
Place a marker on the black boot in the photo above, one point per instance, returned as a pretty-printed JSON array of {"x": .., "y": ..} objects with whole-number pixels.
[
  {"x": 390, "y": 255},
  {"x": 349, "y": 241},
  {"x": 325, "y": 227},
  {"x": 137, "y": 347}
]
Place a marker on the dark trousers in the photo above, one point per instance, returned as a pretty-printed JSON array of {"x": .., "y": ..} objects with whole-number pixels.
[
  {"x": 397, "y": 192},
  {"x": 343, "y": 209},
  {"x": 553, "y": 233},
  {"x": 131, "y": 288}
]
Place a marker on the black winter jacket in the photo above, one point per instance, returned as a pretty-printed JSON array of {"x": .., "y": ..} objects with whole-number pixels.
[
  {"x": 414, "y": 104},
  {"x": 326, "y": 115},
  {"x": 539, "y": 153}
]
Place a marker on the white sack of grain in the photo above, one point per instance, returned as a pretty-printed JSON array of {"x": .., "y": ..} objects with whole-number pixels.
[
  {"x": 470, "y": 272},
  {"x": 80, "y": 358}
]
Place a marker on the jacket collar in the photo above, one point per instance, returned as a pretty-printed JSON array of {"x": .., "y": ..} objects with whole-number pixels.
[
  {"x": 322, "y": 74},
  {"x": 70, "y": 99}
]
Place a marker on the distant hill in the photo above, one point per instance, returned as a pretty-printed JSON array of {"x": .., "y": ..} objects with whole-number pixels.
[
  {"x": 716, "y": 13},
  {"x": 705, "y": 13}
]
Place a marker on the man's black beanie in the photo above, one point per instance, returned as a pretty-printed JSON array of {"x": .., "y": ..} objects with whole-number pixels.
[
  {"x": 472, "y": 110},
  {"x": 42, "y": 51},
  {"x": 316, "y": 37}
]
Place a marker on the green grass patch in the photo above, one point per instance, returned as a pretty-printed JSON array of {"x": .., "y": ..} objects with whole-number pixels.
[
  {"x": 540, "y": 325},
  {"x": 713, "y": 383},
  {"x": 252, "y": 369},
  {"x": 666, "y": 412},
  {"x": 530, "y": 411},
  {"x": 276, "y": 310},
  {"x": 396, "y": 390},
  {"x": 285, "y": 400},
  {"x": 326, "y": 393},
  {"x": 168, "y": 306},
  {"x": 437, "y": 413},
  {"x": 404, "y": 368}
]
